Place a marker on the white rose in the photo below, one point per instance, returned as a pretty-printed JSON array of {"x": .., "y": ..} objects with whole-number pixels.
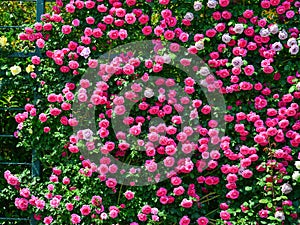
[
  {"x": 167, "y": 59},
  {"x": 277, "y": 46},
  {"x": 189, "y": 16},
  {"x": 237, "y": 61},
  {"x": 15, "y": 70},
  {"x": 286, "y": 188},
  {"x": 264, "y": 32},
  {"x": 197, "y": 6},
  {"x": 85, "y": 52},
  {"x": 204, "y": 71},
  {"x": 296, "y": 175},
  {"x": 212, "y": 4},
  {"x": 274, "y": 29},
  {"x": 103, "y": 216},
  {"x": 203, "y": 83},
  {"x": 148, "y": 93},
  {"x": 238, "y": 28},
  {"x": 298, "y": 86},
  {"x": 226, "y": 38},
  {"x": 291, "y": 41},
  {"x": 282, "y": 35},
  {"x": 294, "y": 49},
  {"x": 199, "y": 45},
  {"x": 279, "y": 215},
  {"x": 87, "y": 134},
  {"x": 297, "y": 164}
]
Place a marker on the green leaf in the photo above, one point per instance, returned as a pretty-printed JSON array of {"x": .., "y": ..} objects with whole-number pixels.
[
  {"x": 292, "y": 89},
  {"x": 264, "y": 201},
  {"x": 248, "y": 188}
]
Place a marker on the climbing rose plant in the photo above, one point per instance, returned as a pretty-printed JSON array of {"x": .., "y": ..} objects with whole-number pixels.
[{"x": 244, "y": 173}]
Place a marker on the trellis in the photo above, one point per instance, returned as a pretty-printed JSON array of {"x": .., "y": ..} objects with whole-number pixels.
[{"x": 34, "y": 164}]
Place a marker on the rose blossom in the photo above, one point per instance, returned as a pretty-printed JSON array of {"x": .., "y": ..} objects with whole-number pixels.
[{"x": 286, "y": 188}]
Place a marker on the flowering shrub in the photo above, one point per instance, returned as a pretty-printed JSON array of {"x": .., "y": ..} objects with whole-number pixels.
[
  {"x": 14, "y": 71},
  {"x": 184, "y": 166}
]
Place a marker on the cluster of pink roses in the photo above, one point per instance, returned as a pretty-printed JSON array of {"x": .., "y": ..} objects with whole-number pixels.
[{"x": 243, "y": 50}]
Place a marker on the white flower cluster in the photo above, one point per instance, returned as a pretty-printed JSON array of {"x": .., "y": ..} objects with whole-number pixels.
[
  {"x": 296, "y": 174},
  {"x": 282, "y": 35}
]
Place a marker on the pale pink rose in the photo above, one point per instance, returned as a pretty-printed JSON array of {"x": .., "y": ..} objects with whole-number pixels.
[
  {"x": 185, "y": 220},
  {"x": 129, "y": 195},
  {"x": 75, "y": 219},
  {"x": 185, "y": 203},
  {"x": 48, "y": 220},
  {"x": 66, "y": 29}
]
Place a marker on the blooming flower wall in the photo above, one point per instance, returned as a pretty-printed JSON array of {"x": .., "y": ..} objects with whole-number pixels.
[{"x": 198, "y": 171}]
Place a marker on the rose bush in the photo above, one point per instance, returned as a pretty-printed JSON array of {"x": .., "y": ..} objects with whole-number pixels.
[{"x": 244, "y": 174}]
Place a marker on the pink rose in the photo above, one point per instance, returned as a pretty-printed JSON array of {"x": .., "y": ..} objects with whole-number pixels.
[
  {"x": 128, "y": 69},
  {"x": 225, "y": 215},
  {"x": 146, "y": 209},
  {"x": 73, "y": 65},
  {"x": 85, "y": 210},
  {"x": 90, "y": 20},
  {"x": 66, "y": 29},
  {"x": 161, "y": 192},
  {"x": 248, "y": 13},
  {"x": 274, "y": 2},
  {"x": 48, "y": 220},
  {"x": 249, "y": 70},
  {"x": 75, "y": 219},
  {"x": 21, "y": 203},
  {"x": 183, "y": 37},
  {"x": 43, "y": 117},
  {"x": 265, "y": 4},
  {"x": 216, "y": 15},
  {"x": 130, "y": 18},
  {"x": 202, "y": 221},
  {"x": 184, "y": 220},
  {"x": 129, "y": 195},
  {"x": 142, "y": 217},
  {"x": 76, "y": 22},
  {"x": 226, "y": 15},
  {"x": 263, "y": 213},
  {"x": 185, "y": 203},
  {"x": 290, "y": 14},
  {"x": 164, "y": 2},
  {"x": 123, "y": 34},
  {"x": 113, "y": 34},
  {"x": 178, "y": 191},
  {"x": 35, "y": 60},
  {"x": 130, "y": 2},
  {"x": 143, "y": 19},
  {"x": 111, "y": 182},
  {"x": 147, "y": 30},
  {"x": 89, "y": 4},
  {"x": 108, "y": 19},
  {"x": 113, "y": 213},
  {"x": 224, "y": 3},
  {"x": 169, "y": 35},
  {"x": 247, "y": 174},
  {"x": 280, "y": 10},
  {"x": 233, "y": 194}
]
